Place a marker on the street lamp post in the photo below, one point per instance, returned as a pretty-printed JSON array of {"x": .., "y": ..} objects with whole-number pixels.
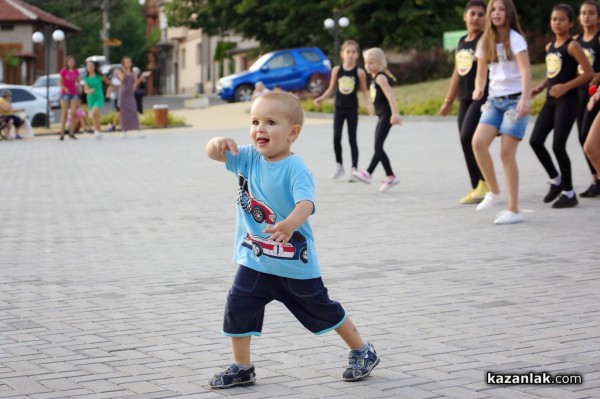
[
  {"x": 39, "y": 37},
  {"x": 335, "y": 24}
]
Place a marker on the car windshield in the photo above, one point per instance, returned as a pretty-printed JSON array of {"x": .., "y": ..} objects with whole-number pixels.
[
  {"x": 259, "y": 62},
  {"x": 41, "y": 82}
]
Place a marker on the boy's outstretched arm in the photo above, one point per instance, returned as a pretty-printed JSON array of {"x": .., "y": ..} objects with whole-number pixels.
[
  {"x": 282, "y": 231},
  {"x": 217, "y": 146}
]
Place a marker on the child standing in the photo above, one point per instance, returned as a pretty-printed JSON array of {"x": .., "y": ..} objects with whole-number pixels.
[
  {"x": 462, "y": 85},
  {"x": 127, "y": 105},
  {"x": 503, "y": 51},
  {"x": 345, "y": 81},
  {"x": 69, "y": 95},
  {"x": 94, "y": 94},
  {"x": 276, "y": 252},
  {"x": 387, "y": 111},
  {"x": 560, "y": 109},
  {"x": 589, "y": 40}
]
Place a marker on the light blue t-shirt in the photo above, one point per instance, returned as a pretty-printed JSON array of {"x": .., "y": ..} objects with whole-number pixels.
[{"x": 267, "y": 193}]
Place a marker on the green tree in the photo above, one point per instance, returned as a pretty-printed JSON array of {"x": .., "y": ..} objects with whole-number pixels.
[{"x": 127, "y": 24}]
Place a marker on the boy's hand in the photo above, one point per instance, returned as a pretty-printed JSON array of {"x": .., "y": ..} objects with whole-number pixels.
[
  {"x": 226, "y": 144},
  {"x": 280, "y": 232}
]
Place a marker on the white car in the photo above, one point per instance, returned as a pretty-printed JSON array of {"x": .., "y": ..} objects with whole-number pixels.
[
  {"x": 39, "y": 86},
  {"x": 33, "y": 103}
]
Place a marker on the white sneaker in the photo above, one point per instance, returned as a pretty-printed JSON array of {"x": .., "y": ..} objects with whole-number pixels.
[
  {"x": 338, "y": 171},
  {"x": 123, "y": 134},
  {"x": 351, "y": 177},
  {"x": 388, "y": 183},
  {"x": 98, "y": 135},
  {"x": 489, "y": 201},
  {"x": 362, "y": 175},
  {"x": 141, "y": 134},
  {"x": 508, "y": 217}
]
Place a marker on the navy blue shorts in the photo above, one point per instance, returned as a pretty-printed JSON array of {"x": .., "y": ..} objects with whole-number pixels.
[{"x": 306, "y": 299}]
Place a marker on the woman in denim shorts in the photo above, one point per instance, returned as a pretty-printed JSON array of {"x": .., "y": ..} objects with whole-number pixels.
[
  {"x": 69, "y": 95},
  {"x": 503, "y": 51}
]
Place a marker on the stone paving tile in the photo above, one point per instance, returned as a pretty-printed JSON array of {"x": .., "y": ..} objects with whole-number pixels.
[{"x": 116, "y": 265}]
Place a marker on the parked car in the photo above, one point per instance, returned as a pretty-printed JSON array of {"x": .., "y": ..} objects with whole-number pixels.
[
  {"x": 296, "y": 69},
  {"x": 34, "y": 104},
  {"x": 39, "y": 86}
]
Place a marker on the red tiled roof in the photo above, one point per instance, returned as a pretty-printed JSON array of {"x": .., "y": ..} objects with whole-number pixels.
[{"x": 19, "y": 11}]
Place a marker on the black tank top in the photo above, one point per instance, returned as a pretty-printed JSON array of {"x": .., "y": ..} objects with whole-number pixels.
[
  {"x": 560, "y": 65},
  {"x": 591, "y": 50},
  {"x": 347, "y": 87},
  {"x": 466, "y": 66},
  {"x": 378, "y": 98}
]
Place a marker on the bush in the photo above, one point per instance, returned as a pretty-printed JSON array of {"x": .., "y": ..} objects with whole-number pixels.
[
  {"x": 146, "y": 119},
  {"x": 432, "y": 64}
]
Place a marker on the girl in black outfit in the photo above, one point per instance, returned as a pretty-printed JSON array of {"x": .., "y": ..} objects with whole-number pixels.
[
  {"x": 345, "y": 81},
  {"x": 590, "y": 42},
  {"x": 560, "y": 110},
  {"x": 387, "y": 112},
  {"x": 462, "y": 85}
]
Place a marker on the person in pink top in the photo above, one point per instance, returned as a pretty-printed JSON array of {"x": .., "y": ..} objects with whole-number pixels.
[{"x": 69, "y": 95}]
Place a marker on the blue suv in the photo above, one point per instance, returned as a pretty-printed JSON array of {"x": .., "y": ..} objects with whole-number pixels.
[{"x": 295, "y": 69}]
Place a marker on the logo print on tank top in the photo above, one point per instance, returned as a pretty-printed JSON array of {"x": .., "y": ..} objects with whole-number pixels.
[
  {"x": 590, "y": 54},
  {"x": 464, "y": 61},
  {"x": 346, "y": 84},
  {"x": 372, "y": 91},
  {"x": 553, "y": 65}
]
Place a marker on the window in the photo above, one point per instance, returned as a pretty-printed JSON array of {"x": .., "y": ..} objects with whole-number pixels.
[
  {"x": 19, "y": 95},
  {"x": 310, "y": 56},
  {"x": 6, "y": 27},
  {"x": 281, "y": 61},
  {"x": 182, "y": 58}
]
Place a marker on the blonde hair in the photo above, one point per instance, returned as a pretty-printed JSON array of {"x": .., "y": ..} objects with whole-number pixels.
[
  {"x": 491, "y": 34},
  {"x": 291, "y": 104},
  {"x": 377, "y": 54}
]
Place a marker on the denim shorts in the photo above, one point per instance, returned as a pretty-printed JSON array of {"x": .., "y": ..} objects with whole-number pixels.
[
  {"x": 307, "y": 300},
  {"x": 68, "y": 97},
  {"x": 501, "y": 113}
]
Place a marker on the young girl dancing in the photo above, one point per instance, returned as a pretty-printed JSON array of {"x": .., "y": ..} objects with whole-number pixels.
[
  {"x": 504, "y": 51},
  {"x": 387, "y": 111}
]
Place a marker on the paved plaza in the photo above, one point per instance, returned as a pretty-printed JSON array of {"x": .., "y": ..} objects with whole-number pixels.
[{"x": 115, "y": 262}]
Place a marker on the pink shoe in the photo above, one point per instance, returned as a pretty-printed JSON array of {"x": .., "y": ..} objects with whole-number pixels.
[
  {"x": 390, "y": 182},
  {"x": 362, "y": 175}
]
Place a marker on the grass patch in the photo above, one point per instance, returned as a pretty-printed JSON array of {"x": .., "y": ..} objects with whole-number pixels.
[{"x": 426, "y": 98}]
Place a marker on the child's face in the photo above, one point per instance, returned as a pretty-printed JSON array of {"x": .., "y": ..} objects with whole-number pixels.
[
  {"x": 350, "y": 54},
  {"x": 588, "y": 16},
  {"x": 271, "y": 132},
  {"x": 372, "y": 65},
  {"x": 90, "y": 67},
  {"x": 498, "y": 13},
  {"x": 560, "y": 23},
  {"x": 475, "y": 19}
]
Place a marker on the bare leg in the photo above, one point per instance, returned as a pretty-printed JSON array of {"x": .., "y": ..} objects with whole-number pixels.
[
  {"x": 240, "y": 346},
  {"x": 508, "y": 155},
  {"x": 64, "y": 108},
  {"x": 592, "y": 144},
  {"x": 350, "y": 334},
  {"x": 482, "y": 139},
  {"x": 96, "y": 118},
  {"x": 73, "y": 113}
]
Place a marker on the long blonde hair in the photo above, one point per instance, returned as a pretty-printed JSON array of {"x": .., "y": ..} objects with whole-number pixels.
[
  {"x": 378, "y": 55},
  {"x": 491, "y": 35}
]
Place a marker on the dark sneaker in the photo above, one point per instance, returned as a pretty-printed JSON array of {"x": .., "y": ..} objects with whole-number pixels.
[
  {"x": 565, "y": 202},
  {"x": 553, "y": 193},
  {"x": 233, "y": 376},
  {"x": 592, "y": 191},
  {"x": 360, "y": 364}
]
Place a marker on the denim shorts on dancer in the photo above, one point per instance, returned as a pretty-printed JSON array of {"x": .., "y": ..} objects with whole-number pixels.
[
  {"x": 501, "y": 113},
  {"x": 68, "y": 97},
  {"x": 307, "y": 300}
]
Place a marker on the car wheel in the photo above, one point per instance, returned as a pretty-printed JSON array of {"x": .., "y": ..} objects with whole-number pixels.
[
  {"x": 38, "y": 120},
  {"x": 243, "y": 93},
  {"x": 257, "y": 214},
  {"x": 304, "y": 255},
  {"x": 316, "y": 84},
  {"x": 256, "y": 249}
]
